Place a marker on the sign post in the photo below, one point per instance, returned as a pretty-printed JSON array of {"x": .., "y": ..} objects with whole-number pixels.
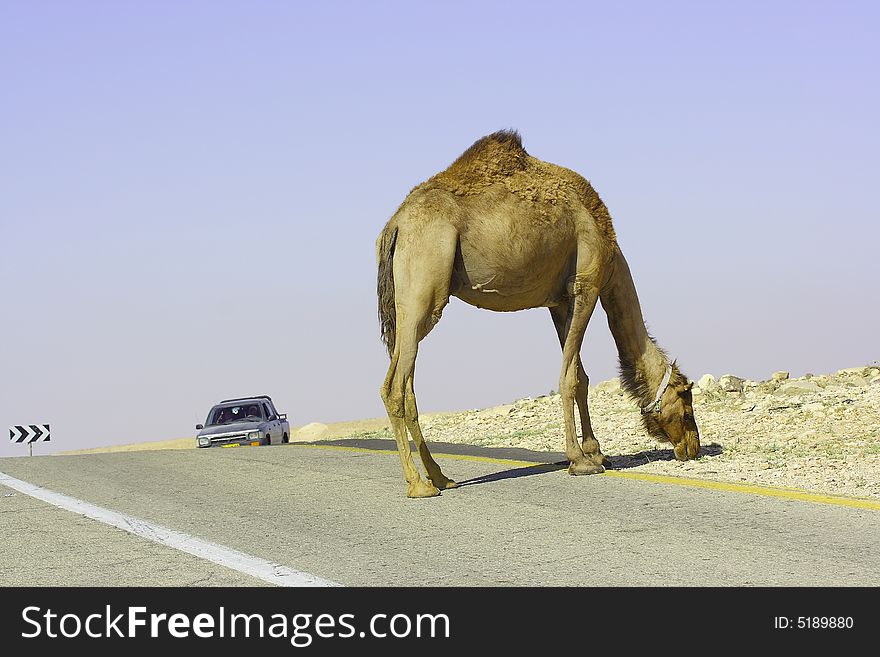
[{"x": 29, "y": 433}]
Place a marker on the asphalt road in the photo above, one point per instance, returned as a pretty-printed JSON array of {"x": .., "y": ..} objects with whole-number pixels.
[{"x": 342, "y": 515}]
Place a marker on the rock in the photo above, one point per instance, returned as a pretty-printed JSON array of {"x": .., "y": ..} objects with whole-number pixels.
[
  {"x": 707, "y": 383},
  {"x": 815, "y": 407},
  {"x": 731, "y": 383},
  {"x": 780, "y": 376},
  {"x": 849, "y": 371},
  {"x": 798, "y": 388},
  {"x": 611, "y": 386},
  {"x": 876, "y": 379},
  {"x": 309, "y": 432}
]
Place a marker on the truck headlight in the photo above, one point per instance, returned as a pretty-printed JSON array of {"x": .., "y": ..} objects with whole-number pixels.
[
  {"x": 204, "y": 441},
  {"x": 254, "y": 435}
]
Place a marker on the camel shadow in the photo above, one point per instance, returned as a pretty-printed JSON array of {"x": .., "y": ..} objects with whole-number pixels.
[
  {"x": 514, "y": 473},
  {"x": 621, "y": 462},
  {"x": 626, "y": 461},
  {"x": 544, "y": 462}
]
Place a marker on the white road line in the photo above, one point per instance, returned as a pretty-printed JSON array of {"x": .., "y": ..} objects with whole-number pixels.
[{"x": 244, "y": 563}]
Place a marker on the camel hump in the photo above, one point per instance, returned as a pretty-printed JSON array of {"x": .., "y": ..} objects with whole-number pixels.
[
  {"x": 489, "y": 160},
  {"x": 503, "y": 147},
  {"x": 500, "y": 160}
]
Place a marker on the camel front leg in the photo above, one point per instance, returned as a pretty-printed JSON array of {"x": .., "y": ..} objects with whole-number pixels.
[
  {"x": 589, "y": 444},
  {"x": 580, "y": 311}
]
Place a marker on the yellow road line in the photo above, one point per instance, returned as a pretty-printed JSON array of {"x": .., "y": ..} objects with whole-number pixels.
[{"x": 752, "y": 489}]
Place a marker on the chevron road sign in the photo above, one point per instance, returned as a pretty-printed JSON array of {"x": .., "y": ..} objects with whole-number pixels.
[{"x": 29, "y": 433}]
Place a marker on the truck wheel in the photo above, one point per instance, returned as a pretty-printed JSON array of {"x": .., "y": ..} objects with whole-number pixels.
[
  {"x": 268, "y": 439},
  {"x": 285, "y": 439}
]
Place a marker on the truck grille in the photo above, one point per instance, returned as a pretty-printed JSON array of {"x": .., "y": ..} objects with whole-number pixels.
[{"x": 228, "y": 438}]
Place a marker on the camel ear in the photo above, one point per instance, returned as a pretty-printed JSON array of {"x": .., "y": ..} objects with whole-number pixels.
[{"x": 689, "y": 385}]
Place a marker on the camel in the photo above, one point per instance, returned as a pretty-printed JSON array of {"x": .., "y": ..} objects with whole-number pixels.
[{"x": 505, "y": 231}]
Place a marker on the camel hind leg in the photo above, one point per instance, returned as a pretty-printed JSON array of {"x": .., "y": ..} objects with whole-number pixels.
[
  {"x": 394, "y": 403},
  {"x": 422, "y": 277},
  {"x": 435, "y": 475}
]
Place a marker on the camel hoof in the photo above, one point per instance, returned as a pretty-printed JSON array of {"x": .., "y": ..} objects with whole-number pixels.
[
  {"x": 584, "y": 468},
  {"x": 443, "y": 484},
  {"x": 422, "y": 489}
]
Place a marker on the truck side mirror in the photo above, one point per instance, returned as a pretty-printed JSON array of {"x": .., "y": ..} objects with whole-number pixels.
[
  {"x": 283, "y": 416},
  {"x": 199, "y": 427}
]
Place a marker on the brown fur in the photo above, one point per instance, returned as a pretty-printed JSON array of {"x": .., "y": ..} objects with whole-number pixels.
[
  {"x": 487, "y": 161},
  {"x": 500, "y": 158},
  {"x": 634, "y": 382}
]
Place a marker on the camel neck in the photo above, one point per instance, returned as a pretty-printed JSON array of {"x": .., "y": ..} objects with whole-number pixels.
[{"x": 643, "y": 364}]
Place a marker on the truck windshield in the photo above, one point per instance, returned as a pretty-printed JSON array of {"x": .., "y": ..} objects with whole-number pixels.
[{"x": 238, "y": 413}]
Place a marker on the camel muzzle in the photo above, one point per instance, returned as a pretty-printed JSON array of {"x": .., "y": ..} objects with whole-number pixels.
[{"x": 688, "y": 447}]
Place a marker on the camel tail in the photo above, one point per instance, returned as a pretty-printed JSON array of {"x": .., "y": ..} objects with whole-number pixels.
[{"x": 385, "y": 286}]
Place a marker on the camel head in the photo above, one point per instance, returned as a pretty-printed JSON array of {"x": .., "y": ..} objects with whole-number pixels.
[{"x": 671, "y": 418}]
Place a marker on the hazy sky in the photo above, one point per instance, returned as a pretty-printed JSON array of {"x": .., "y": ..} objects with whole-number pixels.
[{"x": 190, "y": 194}]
